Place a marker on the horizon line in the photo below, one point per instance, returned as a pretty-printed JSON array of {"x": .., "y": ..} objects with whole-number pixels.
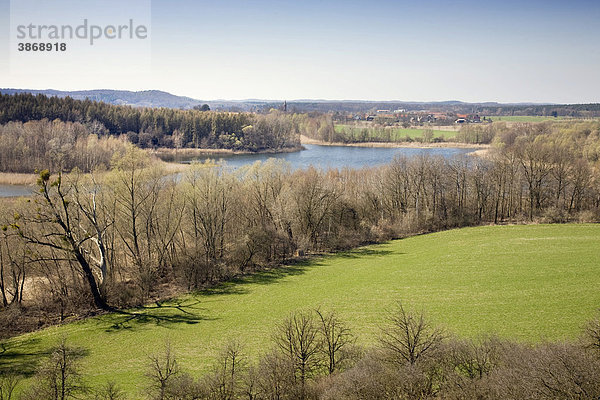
[{"x": 308, "y": 99}]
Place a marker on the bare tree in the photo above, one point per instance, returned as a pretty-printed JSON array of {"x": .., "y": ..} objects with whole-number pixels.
[
  {"x": 110, "y": 391},
  {"x": 275, "y": 378},
  {"x": 210, "y": 198},
  {"x": 475, "y": 359},
  {"x": 336, "y": 340},
  {"x": 592, "y": 334},
  {"x": 162, "y": 370},
  {"x": 13, "y": 263},
  {"x": 313, "y": 200},
  {"x": 57, "y": 226},
  {"x": 8, "y": 384},
  {"x": 227, "y": 378},
  {"x": 409, "y": 337},
  {"x": 89, "y": 198},
  {"x": 536, "y": 162},
  {"x": 298, "y": 338},
  {"x": 136, "y": 187},
  {"x": 58, "y": 377}
]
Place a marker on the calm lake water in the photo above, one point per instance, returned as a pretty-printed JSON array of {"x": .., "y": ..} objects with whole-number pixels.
[
  {"x": 315, "y": 155},
  {"x": 332, "y": 156},
  {"x": 15, "y": 190}
]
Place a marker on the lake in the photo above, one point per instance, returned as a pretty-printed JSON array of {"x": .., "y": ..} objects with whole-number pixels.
[
  {"x": 316, "y": 155},
  {"x": 15, "y": 190},
  {"x": 332, "y": 156}
]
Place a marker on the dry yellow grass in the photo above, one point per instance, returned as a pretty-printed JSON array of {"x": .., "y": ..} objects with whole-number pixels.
[{"x": 14, "y": 178}]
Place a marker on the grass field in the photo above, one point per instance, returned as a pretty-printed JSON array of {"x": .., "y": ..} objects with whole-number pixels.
[
  {"x": 396, "y": 134},
  {"x": 524, "y": 118},
  {"x": 525, "y": 282}
]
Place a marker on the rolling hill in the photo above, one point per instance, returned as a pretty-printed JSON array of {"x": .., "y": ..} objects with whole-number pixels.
[{"x": 528, "y": 283}]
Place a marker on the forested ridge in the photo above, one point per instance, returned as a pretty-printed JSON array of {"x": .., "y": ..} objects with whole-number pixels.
[{"x": 165, "y": 127}]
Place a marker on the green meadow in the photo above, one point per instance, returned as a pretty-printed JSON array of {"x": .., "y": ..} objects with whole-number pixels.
[
  {"x": 530, "y": 283},
  {"x": 390, "y": 134},
  {"x": 524, "y": 118}
]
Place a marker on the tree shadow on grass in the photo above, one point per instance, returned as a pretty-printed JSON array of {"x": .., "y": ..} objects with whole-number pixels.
[
  {"x": 265, "y": 277},
  {"x": 173, "y": 312},
  {"x": 275, "y": 274},
  {"x": 166, "y": 314},
  {"x": 24, "y": 356},
  {"x": 364, "y": 252}
]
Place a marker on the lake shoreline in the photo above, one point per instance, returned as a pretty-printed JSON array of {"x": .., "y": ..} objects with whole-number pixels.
[
  {"x": 173, "y": 161},
  {"x": 413, "y": 145},
  {"x": 30, "y": 179},
  {"x": 193, "y": 152}
]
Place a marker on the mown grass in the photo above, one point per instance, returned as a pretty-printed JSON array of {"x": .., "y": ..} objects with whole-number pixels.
[
  {"x": 524, "y": 282},
  {"x": 389, "y": 134}
]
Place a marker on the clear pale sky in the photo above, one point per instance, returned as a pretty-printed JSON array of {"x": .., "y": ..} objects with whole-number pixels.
[{"x": 419, "y": 50}]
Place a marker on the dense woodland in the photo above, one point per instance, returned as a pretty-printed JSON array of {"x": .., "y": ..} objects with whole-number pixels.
[
  {"x": 159, "y": 127},
  {"x": 56, "y": 145}
]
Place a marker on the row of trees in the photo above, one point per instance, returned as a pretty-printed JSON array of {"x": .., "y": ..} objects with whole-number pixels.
[
  {"x": 314, "y": 355},
  {"x": 378, "y": 133},
  {"x": 166, "y": 127},
  {"x": 573, "y": 133}
]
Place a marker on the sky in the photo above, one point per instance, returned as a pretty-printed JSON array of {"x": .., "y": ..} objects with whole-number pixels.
[{"x": 475, "y": 51}]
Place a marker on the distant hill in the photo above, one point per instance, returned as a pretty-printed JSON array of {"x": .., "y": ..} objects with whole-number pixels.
[
  {"x": 145, "y": 98},
  {"x": 157, "y": 98}
]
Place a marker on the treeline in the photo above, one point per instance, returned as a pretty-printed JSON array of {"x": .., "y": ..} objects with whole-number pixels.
[
  {"x": 119, "y": 238},
  {"x": 60, "y": 146},
  {"x": 161, "y": 127},
  {"x": 586, "y": 133},
  {"x": 377, "y": 133},
  {"x": 314, "y": 355},
  {"x": 572, "y": 133},
  {"x": 591, "y": 110}
]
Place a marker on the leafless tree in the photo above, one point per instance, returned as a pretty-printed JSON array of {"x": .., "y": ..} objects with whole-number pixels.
[
  {"x": 226, "y": 381},
  {"x": 337, "y": 340},
  {"x": 13, "y": 268},
  {"x": 110, "y": 391},
  {"x": 592, "y": 334},
  {"x": 162, "y": 369},
  {"x": 8, "y": 384},
  {"x": 409, "y": 337},
  {"x": 57, "y": 226},
  {"x": 58, "y": 377},
  {"x": 298, "y": 338}
]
